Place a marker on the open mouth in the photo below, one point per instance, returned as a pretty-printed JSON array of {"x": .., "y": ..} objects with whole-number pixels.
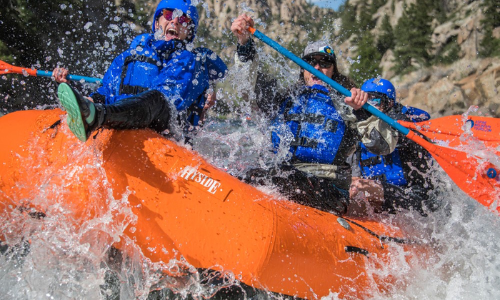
[
  {"x": 171, "y": 34},
  {"x": 316, "y": 79}
]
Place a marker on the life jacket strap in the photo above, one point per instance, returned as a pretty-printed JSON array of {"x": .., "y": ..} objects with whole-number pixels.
[
  {"x": 133, "y": 89},
  {"x": 304, "y": 142},
  {"x": 330, "y": 125},
  {"x": 372, "y": 161}
]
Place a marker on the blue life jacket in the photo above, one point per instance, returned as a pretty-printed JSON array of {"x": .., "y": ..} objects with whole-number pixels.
[
  {"x": 312, "y": 124},
  {"x": 389, "y": 168},
  {"x": 182, "y": 76},
  {"x": 386, "y": 168},
  {"x": 132, "y": 71}
]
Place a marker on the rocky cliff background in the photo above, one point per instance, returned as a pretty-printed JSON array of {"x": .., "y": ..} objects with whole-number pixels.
[
  {"x": 455, "y": 78},
  {"x": 447, "y": 75},
  {"x": 444, "y": 87}
]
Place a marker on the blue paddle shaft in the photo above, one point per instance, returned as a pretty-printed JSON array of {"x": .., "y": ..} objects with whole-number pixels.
[
  {"x": 70, "y": 77},
  {"x": 370, "y": 108}
]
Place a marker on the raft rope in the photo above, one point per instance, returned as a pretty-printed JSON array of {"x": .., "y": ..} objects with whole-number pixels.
[{"x": 384, "y": 238}]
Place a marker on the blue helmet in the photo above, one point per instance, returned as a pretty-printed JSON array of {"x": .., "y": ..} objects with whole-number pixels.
[
  {"x": 380, "y": 85},
  {"x": 183, "y": 5}
]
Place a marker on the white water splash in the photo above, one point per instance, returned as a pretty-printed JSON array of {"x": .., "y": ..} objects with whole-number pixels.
[{"x": 54, "y": 258}]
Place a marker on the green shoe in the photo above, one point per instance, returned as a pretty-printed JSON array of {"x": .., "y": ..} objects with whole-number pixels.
[{"x": 81, "y": 112}]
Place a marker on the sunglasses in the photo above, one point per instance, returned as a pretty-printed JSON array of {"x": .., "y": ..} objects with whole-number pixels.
[
  {"x": 324, "y": 64},
  {"x": 169, "y": 16},
  {"x": 375, "y": 98}
]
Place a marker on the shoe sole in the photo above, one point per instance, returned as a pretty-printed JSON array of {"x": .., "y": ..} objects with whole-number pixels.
[{"x": 75, "y": 120}]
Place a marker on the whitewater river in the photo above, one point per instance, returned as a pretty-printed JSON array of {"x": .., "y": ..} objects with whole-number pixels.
[
  {"x": 463, "y": 234},
  {"x": 49, "y": 262}
]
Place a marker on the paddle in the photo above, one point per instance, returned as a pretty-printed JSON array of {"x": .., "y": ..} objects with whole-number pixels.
[
  {"x": 5, "y": 68},
  {"x": 460, "y": 131},
  {"x": 476, "y": 176}
]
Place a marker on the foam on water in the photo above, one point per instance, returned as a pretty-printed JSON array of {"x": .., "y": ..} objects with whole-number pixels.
[
  {"x": 58, "y": 257},
  {"x": 55, "y": 255},
  {"x": 462, "y": 235}
]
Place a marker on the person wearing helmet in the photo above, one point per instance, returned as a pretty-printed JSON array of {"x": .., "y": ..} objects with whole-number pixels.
[
  {"x": 312, "y": 124},
  {"x": 400, "y": 179},
  {"x": 152, "y": 82}
]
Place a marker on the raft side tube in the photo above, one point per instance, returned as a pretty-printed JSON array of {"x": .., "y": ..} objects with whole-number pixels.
[{"x": 184, "y": 206}]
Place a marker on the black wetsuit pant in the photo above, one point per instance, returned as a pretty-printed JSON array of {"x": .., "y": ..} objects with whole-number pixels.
[
  {"x": 146, "y": 110},
  {"x": 302, "y": 188},
  {"x": 414, "y": 197}
]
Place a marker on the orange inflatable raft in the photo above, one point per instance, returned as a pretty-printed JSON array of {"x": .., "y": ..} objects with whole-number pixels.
[{"x": 185, "y": 206}]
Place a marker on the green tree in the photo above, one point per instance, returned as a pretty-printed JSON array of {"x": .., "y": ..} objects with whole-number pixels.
[
  {"x": 365, "y": 21},
  {"x": 368, "y": 60},
  {"x": 440, "y": 9},
  {"x": 386, "y": 40},
  {"x": 376, "y": 4},
  {"x": 82, "y": 35},
  {"x": 349, "y": 22},
  {"x": 4, "y": 52},
  {"x": 490, "y": 46},
  {"x": 354, "y": 24},
  {"x": 413, "y": 36},
  {"x": 449, "y": 53}
]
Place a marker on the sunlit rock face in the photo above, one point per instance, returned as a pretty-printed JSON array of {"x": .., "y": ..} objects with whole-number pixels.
[
  {"x": 453, "y": 89},
  {"x": 441, "y": 89}
]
